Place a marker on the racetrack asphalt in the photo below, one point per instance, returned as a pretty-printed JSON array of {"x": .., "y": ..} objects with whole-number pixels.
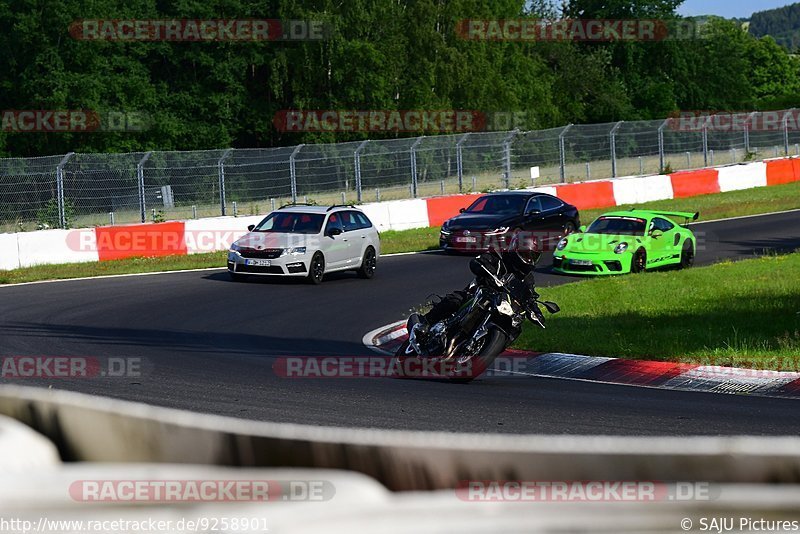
[{"x": 208, "y": 344}]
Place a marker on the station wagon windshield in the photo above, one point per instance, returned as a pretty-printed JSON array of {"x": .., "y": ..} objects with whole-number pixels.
[{"x": 291, "y": 223}]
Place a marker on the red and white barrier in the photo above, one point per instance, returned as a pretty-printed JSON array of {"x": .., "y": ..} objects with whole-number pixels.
[{"x": 217, "y": 233}]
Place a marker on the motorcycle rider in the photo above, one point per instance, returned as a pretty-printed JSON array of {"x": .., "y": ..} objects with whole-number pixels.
[{"x": 519, "y": 257}]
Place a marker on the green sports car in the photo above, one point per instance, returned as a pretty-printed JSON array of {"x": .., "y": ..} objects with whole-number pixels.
[{"x": 632, "y": 241}]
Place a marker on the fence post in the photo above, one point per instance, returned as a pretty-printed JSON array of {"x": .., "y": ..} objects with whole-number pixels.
[
  {"x": 661, "y": 154},
  {"x": 507, "y": 155},
  {"x": 62, "y": 213},
  {"x": 221, "y": 170},
  {"x": 747, "y": 133},
  {"x": 613, "y": 139},
  {"x": 460, "y": 162},
  {"x": 414, "y": 166},
  {"x": 293, "y": 172},
  {"x": 786, "y": 131},
  {"x": 140, "y": 176},
  {"x": 357, "y": 161},
  {"x": 562, "y": 153},
  {"x": 705, "y": 141}
]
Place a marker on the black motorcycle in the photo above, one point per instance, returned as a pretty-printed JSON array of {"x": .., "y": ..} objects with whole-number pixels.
[{"x": 463, "y": 346}]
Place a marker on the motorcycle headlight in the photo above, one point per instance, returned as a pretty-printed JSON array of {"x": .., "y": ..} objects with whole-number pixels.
[
  {"x": 562, "y": 244},
  {"x": 621, "y": 248},
  {"x": 296, "y": 251}
]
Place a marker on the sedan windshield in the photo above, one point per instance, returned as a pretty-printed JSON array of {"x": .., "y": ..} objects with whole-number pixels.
[
  {"x": 291, "y": 223},
  {"x": 618, "y": 226},
  {"x": 491, "y": 204}
]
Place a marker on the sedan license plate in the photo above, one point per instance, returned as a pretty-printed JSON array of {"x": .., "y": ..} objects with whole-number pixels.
[
  {"x": 583, "y": 263},
  {"x": 258, "y": 263},
  {"x": 466, "y": 240}
]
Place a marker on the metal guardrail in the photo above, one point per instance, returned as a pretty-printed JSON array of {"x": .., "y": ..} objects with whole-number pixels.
[{"x": 77, "y": 189}]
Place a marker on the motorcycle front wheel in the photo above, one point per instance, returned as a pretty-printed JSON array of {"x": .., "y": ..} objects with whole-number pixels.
[{"x": 459, "y": 368}]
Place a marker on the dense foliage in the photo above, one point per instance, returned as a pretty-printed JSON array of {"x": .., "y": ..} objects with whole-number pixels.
[
  {"x": 383, "y": 54},
  {"x": 782, "y": 24}
]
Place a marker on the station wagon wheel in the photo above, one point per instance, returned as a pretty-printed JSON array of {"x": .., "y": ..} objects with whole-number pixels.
[
  {"x": 639, "y": 261},
  {"x": 368, "y": 264},
  {"x": 687, "y": 254},
  {"x": 317, "y": 269}
]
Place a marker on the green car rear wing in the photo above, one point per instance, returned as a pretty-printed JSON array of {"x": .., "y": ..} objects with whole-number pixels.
[{"x": 680, "y": 214}]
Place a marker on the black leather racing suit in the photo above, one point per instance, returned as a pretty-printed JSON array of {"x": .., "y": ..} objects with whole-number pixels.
[{"x": 450, "y": 303}]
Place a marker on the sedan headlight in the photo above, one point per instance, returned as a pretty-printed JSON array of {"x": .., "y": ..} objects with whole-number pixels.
[
  {"x": 235, "y": 249},
  {"x": 621, "y": 248},
  {"x": 446, "y": 227},
  {"x": 498, "y": 231},
  {"x": 296, "y": 251},
  {"x": 562, "y": 244}
]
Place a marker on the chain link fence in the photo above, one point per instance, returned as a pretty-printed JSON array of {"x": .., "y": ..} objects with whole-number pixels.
[{"x": 81, "y": 190}]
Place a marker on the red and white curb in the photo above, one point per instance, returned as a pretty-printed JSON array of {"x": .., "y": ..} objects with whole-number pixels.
[{"x": 652, "y": 374}]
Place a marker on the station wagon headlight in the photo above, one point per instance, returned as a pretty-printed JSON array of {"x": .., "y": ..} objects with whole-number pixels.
[
  {"x": 235, "y": 249},
  {"x": 446, "y": 227},
  {"x": 296, "y": 251},
  {"x": 562, "y": 244},
  {"x": 621, "y": 248}
]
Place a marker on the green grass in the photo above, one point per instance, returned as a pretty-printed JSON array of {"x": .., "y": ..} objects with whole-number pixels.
[
  {"x": 744, "y": 313},
  {"x": 722, "y": 205},
  {"x": 736, "y": 203}
]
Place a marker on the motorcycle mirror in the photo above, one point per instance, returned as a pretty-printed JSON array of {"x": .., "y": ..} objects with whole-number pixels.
[{"x": 552, "y": 307}]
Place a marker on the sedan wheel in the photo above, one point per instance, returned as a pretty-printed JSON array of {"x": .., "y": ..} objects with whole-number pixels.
[
  {"x": 639, "y": 261},
  {"x": 687, "y": 255}
]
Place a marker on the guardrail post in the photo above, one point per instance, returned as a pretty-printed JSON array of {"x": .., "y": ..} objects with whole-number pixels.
[
  {"x": 562, "y": 153},
  {"x": 62, "y": 213},
  {"x": 507, "y": 155},
  {"x": 357, "y": 161},
  {"x": 221, "y": 171},
  {"x": 140, "y": 176},
  {"x": 460, "y": 162},
  {"x": 414, "y": 191},
  {"x": 293, "y": 171},
  {"x": 613, "y": 142}
]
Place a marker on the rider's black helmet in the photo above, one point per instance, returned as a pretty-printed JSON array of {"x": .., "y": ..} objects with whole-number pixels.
[{"x": 526, "y": 247}]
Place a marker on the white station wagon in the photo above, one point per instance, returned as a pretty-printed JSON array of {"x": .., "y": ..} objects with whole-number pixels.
[{"x": 307, "y": 241}]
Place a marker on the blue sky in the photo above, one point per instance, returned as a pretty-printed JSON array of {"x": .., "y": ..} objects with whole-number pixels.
[{"x": 729, "y": 8}]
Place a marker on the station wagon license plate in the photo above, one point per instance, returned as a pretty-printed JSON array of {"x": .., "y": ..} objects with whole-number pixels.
[
  {"x": 583, "y": 263},
  {"x": 466, "y": 240},
  {"x": 258, "y": 263}
]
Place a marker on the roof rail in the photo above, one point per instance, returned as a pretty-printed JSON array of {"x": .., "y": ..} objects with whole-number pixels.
[
  {"x": 291, "y": 204},
  {"x": 341, "y": 206}
]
